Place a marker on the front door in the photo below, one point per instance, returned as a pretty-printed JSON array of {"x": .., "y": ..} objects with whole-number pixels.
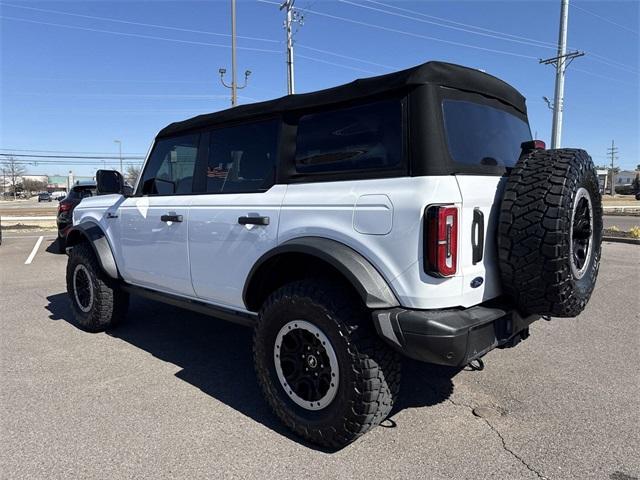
[{"x": 154, "y": 236}]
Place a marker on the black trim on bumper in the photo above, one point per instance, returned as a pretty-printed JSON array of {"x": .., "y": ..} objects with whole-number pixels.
[{"x": 452, "y": 337}]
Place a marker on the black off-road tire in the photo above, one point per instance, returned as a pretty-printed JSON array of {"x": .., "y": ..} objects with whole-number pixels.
[
  {"x": 369, "y": 371},
  {"x": 545, "y": 194},
  {"x": 107, "y": 304}
]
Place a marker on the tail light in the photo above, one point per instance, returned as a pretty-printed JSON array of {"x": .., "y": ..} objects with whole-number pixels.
[
  {"x": 64, "y": 207},
  {"x": 533, "y": 145},
  {"x": 441, "y": 241}
]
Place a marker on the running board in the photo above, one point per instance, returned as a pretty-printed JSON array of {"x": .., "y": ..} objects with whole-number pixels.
[{"x": 242, "y": 318}]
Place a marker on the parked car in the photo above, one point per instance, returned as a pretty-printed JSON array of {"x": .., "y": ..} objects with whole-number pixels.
[
  {"x": 68, "y": 203},
  {"x": 59, "y": 195},
  {"x": 44, "y": 197},
  {"x": 628, "y": 189},
  {"x": 410, "y": 213}
]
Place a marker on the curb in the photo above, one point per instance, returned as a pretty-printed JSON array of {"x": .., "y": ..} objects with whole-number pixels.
[
  {"x": 34, "y": 218},
  {"x": 632, "y": 241}
]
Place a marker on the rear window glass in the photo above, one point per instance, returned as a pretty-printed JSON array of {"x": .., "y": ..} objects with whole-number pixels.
[
  {"x": 365, "y": 137},
  {"x": 242, "y": 158},
  {"x": 482, "y": 135}
]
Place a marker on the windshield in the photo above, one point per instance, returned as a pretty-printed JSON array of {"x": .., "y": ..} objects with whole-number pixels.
[{"x": 483, "y": 135}]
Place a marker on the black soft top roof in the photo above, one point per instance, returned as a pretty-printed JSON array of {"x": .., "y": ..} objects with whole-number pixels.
[{"x": 437, "y": 73}]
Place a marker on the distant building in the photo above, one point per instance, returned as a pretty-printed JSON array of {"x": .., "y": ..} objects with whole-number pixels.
[
  {"x": 57, "y": 183},
  {"x": 625, "y": 177}
]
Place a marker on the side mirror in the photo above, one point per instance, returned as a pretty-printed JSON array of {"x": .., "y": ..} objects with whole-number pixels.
[{"x": 109, "y": 181}]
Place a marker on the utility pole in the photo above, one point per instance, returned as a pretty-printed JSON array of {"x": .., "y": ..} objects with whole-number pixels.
[
  {"x": 234, "y": 78},
  {"x": 613, "y": 152},
  {"x": 293, "y": 16},
  {"x": 561, "y": 61},
  {"x": 119, "y": 153}
]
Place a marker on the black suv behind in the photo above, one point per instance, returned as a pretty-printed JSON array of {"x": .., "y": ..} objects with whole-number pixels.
[{"x": 67, "y": 204}]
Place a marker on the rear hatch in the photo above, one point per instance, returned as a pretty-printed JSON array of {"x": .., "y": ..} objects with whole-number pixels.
[{"x": 479, "y": 135}]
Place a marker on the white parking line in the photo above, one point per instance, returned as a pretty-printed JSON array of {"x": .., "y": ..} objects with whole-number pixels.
[
  {"x": 34, "y": 251},
  {"x": 5, "y": 237}
]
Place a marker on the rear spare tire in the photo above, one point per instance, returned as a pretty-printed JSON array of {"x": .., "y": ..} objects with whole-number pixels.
[{"x": 550, "y": 232}]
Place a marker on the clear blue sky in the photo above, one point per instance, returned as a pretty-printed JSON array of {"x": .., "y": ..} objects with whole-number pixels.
[{"x": 78, "y": 89}]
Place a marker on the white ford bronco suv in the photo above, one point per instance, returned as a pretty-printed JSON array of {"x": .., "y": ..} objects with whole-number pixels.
[{"x": 410, "y": 213}]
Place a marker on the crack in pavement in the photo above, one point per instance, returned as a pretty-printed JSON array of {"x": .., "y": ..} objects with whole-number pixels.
[
  {"x": 514, "y": 454},
  {"x": 504, "y": 443}
]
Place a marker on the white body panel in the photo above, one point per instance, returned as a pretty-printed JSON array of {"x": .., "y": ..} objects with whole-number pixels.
[
  {"x": 154, "y": 253},
  {"x": 209, "y": 255},
  {"x": 223, "y": 251},
  {"x": 484, "y": 193}
]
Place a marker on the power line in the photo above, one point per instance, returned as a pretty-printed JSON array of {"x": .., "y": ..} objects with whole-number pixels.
[
  {"x": 137, "y": 35},
  {"x": 141, "y": 24},
  {"x": 327, "y": 62},
  {"x": 69, "y": 156},
  {"x": 346, "y": 57},
  {"x": 151, "y": 37},
  {"x": 604, "y": 77},
  {"x": 612, "y": 63},
  {"x": 63, "y": 151},
  {"x": 415, "y": 35},
  {"x": 491, "y": 35},
  {"x": 604, "y": 18},
  {"x": 414, "y": 12}
]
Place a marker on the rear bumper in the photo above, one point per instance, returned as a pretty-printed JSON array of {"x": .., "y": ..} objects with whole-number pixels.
[{"x": 452, "y": 337}]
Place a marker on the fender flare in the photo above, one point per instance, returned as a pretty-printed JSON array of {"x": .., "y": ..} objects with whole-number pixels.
[
  {"x": 365, "y": 278},
  {"x": 95, "y": 236}
]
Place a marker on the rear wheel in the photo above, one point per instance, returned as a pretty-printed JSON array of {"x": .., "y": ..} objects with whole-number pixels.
[
  {"x": 322, "y": 368},
  {"x": 97, "y": 302},
  {"x": 550, "y": 232}
]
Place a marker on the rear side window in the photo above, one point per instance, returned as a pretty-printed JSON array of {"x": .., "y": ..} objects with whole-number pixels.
[
  {"x": 483, "y": 135},
  {"x": 242, "y": 159},
  {"x": 80, "y": 193},
  {"x": 170, "y": 168},
  {"x": 365, "y": 137}
]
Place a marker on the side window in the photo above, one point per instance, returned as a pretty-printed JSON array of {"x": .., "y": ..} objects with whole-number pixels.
[
  {"x": 170, "y": 169},
  {"x": 242, "y": 159},
  {"x": 365, "y": 137}
]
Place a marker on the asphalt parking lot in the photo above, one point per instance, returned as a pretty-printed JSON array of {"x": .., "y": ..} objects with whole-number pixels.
[{"x": 172, "y": 394}]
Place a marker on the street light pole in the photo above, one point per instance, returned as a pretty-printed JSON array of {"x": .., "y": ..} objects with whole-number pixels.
[
  {"x": 119, "y": 153},
  {"x": 234, "y": 76}
]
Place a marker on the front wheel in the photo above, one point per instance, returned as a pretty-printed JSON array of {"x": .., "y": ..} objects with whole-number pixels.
[
  {"x": 97, "y": 302},
  {"x": 322, "y": 368}
]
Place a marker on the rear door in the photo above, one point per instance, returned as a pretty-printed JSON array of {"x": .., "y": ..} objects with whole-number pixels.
[
  {"x": 481, "y": 136},
  {"x": 154, "y": 224},
  {"x": 236, "y": 221}
]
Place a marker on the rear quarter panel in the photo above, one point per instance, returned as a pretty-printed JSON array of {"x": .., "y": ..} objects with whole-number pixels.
[{"x": 342, "y": 211}]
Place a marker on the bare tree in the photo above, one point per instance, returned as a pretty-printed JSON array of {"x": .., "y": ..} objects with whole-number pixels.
[
  {"x": 33, "y": 185},
  {"x": 132, "y": 174},
  {"x": 13, "y": 171}
]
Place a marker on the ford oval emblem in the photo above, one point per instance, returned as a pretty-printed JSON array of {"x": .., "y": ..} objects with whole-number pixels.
[{"x": 476, "y": 282}]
